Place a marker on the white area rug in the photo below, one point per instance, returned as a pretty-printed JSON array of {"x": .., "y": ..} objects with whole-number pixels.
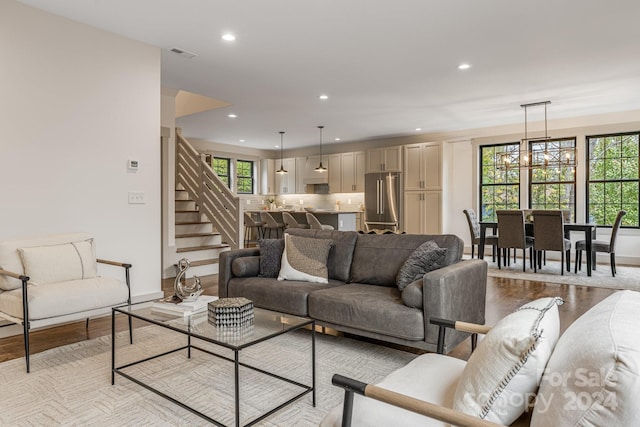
[
  {"x": 626, "y": 277},
  {"x": 71, "y": 385}
]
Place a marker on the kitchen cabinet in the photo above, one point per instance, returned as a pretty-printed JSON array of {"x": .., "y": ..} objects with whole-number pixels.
[
  {"x": 267, "y": 176},
  {"x": 423, "y": 212},
  {"x": 286, "y": 183},
  {"x": 423, "y": 166},
  {"x": 353, "y": 168},
  {"x": 334, "y": 164},
  {"x": 301, "y": 187},
  {"x": 384, "y": 159}
]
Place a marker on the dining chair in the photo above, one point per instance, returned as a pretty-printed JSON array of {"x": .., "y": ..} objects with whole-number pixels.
[
  {"x": 511, "y": 234},
  {"x": 474, "y": 230},
  {"x": 548, "y": 232},
  {"x": 269, "y": 223},
  {"x": 251, "y": 225},
  {"x": 315, "y": 224},
  {"x": 290, "y": 221},
  {"x": 601, "y": 246}
]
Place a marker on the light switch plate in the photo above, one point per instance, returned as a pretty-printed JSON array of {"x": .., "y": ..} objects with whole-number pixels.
[{"x": 137, "y": 198}]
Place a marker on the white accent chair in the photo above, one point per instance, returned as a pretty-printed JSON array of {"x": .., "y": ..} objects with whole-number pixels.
[{"x": 53, "y": 279}]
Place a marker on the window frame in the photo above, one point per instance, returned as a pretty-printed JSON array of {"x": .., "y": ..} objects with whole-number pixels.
[
  {"x": 250, "y": 177},
  {"x": 482, "y": 185},
  {"x": 626, "y": 223},
  {"x": 222, "y": 176}
]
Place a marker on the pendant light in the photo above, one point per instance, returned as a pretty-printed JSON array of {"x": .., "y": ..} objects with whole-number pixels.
[
  {"x": 321, "y": 168},
  {"x": 282, "y": 170}
]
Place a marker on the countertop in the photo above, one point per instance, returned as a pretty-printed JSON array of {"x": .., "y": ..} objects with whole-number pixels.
[{"x": 319, "y": 211}]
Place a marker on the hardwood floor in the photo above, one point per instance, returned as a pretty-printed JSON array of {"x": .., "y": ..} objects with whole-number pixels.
[{"x": 503, "y": 296}]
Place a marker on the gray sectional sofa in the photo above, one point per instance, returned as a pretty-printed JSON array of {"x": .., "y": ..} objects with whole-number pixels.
[{"x": 361, "y": 297}]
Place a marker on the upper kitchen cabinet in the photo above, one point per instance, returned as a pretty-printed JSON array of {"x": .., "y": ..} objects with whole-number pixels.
[
  {"x": 267, "y": 176},
  {"x": 423, "y": 166},
  {"x": 301, "y": 163},
  {"x": 353, "y": 168},
  {"x": 334, "y": 164},
  {"x": 384, "y": 159},
  {"x": 286, "y": 183}
]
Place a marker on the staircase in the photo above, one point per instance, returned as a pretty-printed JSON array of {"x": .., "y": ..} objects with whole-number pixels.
[{"x": 196, "y": 238}]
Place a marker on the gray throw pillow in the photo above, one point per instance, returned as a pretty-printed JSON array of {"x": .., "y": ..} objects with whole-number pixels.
[
  {"x": 270, "y": 256},
  {"x": 427, "y": 257}
]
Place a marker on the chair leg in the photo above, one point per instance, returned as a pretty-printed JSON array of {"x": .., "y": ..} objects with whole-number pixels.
[
  {"x": 578, "y": 261},
  {"x": 562, "y": 263},
  {"x": 473, "y": 247},
  {"x": 499, "y": 257},
  {"x": 493, "y": 253},
  {"x": 26, "y": 344},
  {"x": 568, "y": 260},
  {"x": 613, "y": 264},
  {"x": 524, "y": 258}
]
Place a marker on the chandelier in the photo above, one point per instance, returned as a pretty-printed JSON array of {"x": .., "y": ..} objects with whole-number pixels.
[{"x": 539, "y": 152}]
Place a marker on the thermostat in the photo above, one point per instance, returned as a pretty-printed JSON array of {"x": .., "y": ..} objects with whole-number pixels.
[{"x": 132, "y": 165}]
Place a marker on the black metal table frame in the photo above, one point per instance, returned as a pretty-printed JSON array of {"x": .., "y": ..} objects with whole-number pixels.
[
  {"x": 589, "y": 231},
  {"x": 236, "y": 360}
]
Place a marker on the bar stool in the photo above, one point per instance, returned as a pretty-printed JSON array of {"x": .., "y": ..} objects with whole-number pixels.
[
  {"x": 291, "y": 222},
  {"x": 250, "y": 225},
  {"x": 315, "y": 224},
  {"x": 269, "y": 223}
]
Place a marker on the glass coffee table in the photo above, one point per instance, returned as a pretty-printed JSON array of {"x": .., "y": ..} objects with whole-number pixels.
[{"x": 266, "y": 325}]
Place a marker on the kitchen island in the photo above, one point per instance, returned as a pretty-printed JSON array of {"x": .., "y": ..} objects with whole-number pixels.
[{"x": 339, "y": 220}]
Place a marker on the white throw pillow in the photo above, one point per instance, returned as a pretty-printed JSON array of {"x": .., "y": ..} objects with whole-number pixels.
[
  {"x": 503, "y": 374},
  {"x": 305, "y": 259},
  {"x": 59, "y": 263}
]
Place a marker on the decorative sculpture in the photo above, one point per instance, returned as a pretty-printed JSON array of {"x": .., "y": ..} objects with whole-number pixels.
[{"x": 182, "y": 291}]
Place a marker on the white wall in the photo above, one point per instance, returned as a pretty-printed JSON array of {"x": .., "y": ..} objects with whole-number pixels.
[{"x": 77, "y": 103}]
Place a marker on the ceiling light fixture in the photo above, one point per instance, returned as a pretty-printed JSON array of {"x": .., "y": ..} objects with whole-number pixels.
[
  {"x": 321, "y": 168},
  {"x": 337, "y": 139},
  {"x": 324, "y": 96},
  {"x": 282, "y": 170},
  {"x": 539, "y": 152},
  {"x": 232, "y": 116},
  {"x": 418, "y": 129},
  {"x": 464, "y": 66},
  {"x": 228, "y": 37}
]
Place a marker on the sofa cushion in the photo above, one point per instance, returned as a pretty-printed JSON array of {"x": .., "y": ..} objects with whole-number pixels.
[
  {"x": 341, "y": 254},
  {"x": 412, "y": 295},
  {"x": 246, "y": 266},
  {"x": 305, "y": 258},
  {"x": 59, "y": 263},
  {"x": 377, "y": 309},
  {"x": 378, "y": 258},
  {"x": 430, "y": 377},
  {"x": 503, "y": 374},
  {"x": 288, "y": 296},
  {"x": 426, "y": 257},
  {"x": 270, "y": 257},
  {"x": 57, "y": 299},
  {"x": 10, "y": 259},
  {"x": 593, "y": 375}
]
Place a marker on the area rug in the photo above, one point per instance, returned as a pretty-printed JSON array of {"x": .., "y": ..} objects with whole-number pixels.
[
  {"x": 626, "y": 277},
  {"x": 71, "y": 385}
]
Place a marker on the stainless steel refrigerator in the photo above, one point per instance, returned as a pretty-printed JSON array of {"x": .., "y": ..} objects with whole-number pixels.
[{"x": 382, "y": 201}]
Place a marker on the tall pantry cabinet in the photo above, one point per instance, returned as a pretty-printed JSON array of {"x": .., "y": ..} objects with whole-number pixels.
[{"x": 423, "y": 188}]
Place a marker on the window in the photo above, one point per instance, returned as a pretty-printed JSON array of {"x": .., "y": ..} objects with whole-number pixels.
[
  {"x": 499, "y": 185},
  {"x": 552, "y": 186},
  {"x": 613, "y": 178},
  {"x": 221, "y": 166},
  {"x": 245, "y": 176}
]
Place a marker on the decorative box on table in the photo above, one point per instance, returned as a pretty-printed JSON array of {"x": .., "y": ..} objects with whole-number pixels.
[{"x": 231, "y": 312}]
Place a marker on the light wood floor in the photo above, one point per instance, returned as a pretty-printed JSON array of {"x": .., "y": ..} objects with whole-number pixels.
[{"x": 503, "y": 296}]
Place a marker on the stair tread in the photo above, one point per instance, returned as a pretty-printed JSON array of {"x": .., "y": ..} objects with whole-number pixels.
[
  {"x": 201, "y": 248},
  {"x": 207, "y": 234},
  {"x": 187, "y": 211},
  {"x": 193, "y": 222},
  {"x": 202, "y": 262}
]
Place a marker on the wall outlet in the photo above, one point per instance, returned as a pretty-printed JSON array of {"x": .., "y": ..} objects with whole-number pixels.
[{"x": 137, "y": 198}]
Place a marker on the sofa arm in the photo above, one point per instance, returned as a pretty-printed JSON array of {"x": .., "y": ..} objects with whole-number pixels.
[
  {"x": 457, "y": 291},
  {"x": 224, "y": 268}
]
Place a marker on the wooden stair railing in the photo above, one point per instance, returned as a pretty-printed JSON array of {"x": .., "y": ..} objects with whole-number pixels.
[{"x": 213, "y": 197}]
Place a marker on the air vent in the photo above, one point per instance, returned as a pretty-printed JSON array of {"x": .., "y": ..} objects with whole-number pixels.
[{"x": 183, "y": 53}]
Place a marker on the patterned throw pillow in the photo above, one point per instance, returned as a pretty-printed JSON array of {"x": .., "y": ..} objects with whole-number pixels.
[
  {"x": 427, "y": 257},
  {"x": 270, "y": 255},
  {"x": 305, "y": 258}
]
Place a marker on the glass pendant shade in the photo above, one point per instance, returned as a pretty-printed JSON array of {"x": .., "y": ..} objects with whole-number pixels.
[{"x": 320, "y": 167}]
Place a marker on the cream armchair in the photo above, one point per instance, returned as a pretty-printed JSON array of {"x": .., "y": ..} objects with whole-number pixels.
[{"x": 53, "y": 279}]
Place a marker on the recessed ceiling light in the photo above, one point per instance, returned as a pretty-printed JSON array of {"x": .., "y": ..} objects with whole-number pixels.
[
  {"x": 242, "y": 140},
  {"x": 228, "y": 37},
  {"x": 418, "y": 129},
  {"x": 231, "y": 116},
  {"x": 337, "y": 139},
  {"x": 277, "y": 146},
  {"x": 323, "y": 97},
  {"x": 464, "y": 66}
]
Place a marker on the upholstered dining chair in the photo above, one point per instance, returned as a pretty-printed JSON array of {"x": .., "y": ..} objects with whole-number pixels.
[
  {"x": 474, "y": 230},
  {"x": 251, "y": 225},
  {"x": 511, "y": 234},
  {"x": 269, "y": 223},
  {"x": 290, "y": 221},
  {"x": 601, "y": 246},
  {"x": 315, "y": 224},
  {"x": 548, "y": 232}
]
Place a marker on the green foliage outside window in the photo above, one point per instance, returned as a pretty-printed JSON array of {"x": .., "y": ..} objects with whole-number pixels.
[
  {"x": 244, "y": 176},
  {"x": 221, "y": 167},
  {"x": 614, "y": 178},
  {"x": 500, "y": 186}
]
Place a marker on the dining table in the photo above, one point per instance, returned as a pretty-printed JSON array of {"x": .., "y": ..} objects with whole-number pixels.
[{"x": 588, "y": 229}]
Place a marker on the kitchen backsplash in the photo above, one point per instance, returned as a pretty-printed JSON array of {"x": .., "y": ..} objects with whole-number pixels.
[{"x": 348, "y": 201}]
